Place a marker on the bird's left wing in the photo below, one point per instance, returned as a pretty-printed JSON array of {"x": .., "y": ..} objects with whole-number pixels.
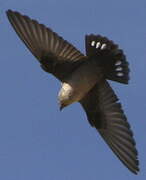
[
  {"x": 106, "y": 115},
  {"x": 55, "y": 55}
]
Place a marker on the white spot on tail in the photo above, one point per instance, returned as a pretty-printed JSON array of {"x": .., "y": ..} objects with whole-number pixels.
[
  {"x": 118, "y": 63},
  {"x": 120, "y": 74},
  {"x": 93, "y": 43},
  {"x": 119, "y": 69},
  {"x": 98, "y": 45},
  {"x": 103, "y": 46}
]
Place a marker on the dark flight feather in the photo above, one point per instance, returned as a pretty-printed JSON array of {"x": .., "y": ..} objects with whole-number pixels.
[
  {"x": 106, "y": 115},
  {"x": 56, "y": 55}
]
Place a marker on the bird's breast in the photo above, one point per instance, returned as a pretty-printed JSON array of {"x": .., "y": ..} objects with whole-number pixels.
[{"x": 81, "y": 81}]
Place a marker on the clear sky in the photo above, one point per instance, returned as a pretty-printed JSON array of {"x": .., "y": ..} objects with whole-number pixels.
[{"x": 37, "y": 141}]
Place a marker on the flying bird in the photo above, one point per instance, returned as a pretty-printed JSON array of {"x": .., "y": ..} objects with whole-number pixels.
[{"x": 84, "y": 80}]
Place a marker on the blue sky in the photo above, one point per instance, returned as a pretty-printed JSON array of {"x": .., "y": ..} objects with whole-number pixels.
[{"x": 37, "y": 141}]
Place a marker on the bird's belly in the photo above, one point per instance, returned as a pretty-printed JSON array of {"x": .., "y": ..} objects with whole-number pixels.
[{"x": 82, "y": 81}]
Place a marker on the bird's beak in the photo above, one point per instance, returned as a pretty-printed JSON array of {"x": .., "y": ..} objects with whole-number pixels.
[{"x": 61, "y": 107}]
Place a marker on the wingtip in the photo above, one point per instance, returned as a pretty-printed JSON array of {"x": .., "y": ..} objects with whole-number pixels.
[
  {"x": 9, "y": 11},
  {"x": 136, "y": 171}
]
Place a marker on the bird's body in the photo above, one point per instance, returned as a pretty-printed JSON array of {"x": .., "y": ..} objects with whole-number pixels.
[
  {"x": 79, "y": 83},
  {"x": 84, "y": 80}
]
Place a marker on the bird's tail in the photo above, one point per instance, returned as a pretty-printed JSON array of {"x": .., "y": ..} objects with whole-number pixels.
[{"x": 111, "y": 59}]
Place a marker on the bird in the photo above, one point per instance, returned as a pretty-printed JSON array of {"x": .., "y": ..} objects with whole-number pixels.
[{"x": 84, "y": 79}]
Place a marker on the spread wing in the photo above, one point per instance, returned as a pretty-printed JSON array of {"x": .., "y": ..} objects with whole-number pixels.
[
  {"x": 106, "y": 115},
  {"x": 55, "y": 55}
]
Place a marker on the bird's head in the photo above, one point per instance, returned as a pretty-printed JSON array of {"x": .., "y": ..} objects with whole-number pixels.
[
  {"x": 63, "y": 100},
  {"x": 65, "y": 96}
]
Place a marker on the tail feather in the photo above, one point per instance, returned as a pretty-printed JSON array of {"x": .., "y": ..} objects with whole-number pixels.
[{"x": 109, "y": 57}]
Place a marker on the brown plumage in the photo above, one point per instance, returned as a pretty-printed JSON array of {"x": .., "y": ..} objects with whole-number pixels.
[{"x": 84, "y": 80}]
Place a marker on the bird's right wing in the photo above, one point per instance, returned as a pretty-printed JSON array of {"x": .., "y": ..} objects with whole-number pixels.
[
  {"x": 55, "y": 55},
  {"x": 106, "y": 115}
]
